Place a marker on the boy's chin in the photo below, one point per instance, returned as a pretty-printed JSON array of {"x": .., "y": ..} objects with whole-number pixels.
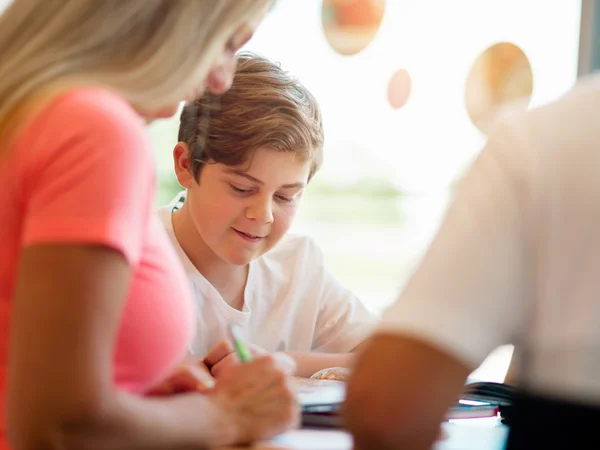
[
  {"x": 241, "y": 261},
  {"x": 241, "y": 258}
]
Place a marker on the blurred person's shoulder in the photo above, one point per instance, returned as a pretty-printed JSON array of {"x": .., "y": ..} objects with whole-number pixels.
[
  {"x": 577, "y": 111},
  {"x": 97, "y": 106},
  {"x": 92, "y": 121},
  {"x": 573, "y": 115},
  {"x": 533, "y": 144}
]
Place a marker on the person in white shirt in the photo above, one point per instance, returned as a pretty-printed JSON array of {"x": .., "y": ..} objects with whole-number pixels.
[
  {"x": 244, "y": 159},
  {"x": 516, "y": 261}
]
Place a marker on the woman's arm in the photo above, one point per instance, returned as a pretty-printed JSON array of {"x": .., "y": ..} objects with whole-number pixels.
[{"x": 67, "y": 308}]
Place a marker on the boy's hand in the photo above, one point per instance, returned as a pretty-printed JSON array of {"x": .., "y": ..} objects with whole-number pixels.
[
  {"x": 191, "y": 375},
  {"x": 223, "y": 355}
]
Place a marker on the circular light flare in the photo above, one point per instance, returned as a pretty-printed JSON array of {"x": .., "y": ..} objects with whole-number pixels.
[{"x": 399, "y": 88}]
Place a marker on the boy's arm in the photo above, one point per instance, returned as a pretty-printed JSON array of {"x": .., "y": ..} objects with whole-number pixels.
[
  {"x": 308, "y": 363},
  {"x": 342, "y": 324}
]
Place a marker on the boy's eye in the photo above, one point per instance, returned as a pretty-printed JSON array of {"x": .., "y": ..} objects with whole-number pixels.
[
  {"x": 239, "y": 190},
  {"x": 285, "y": 199}
]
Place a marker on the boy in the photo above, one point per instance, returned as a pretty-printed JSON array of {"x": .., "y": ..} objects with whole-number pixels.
[{"x": 244, "y": 159}]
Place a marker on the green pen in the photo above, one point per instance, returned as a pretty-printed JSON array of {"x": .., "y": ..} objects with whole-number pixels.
[{"x": 239, "y": 345}]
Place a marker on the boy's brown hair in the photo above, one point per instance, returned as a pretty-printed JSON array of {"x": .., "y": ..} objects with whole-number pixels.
[{"x": 265, "y": 107}]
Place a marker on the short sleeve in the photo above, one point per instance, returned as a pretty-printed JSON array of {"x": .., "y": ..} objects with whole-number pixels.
[
  {"x": 89, "y": 174},
  {"x": 343, "y": 321},
  {"x": 468, "y": 295}
]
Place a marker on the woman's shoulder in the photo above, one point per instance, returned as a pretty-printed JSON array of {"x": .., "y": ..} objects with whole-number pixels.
[
  {"x": 82, "y": 122},
  {"x": 94, "y": 108}
]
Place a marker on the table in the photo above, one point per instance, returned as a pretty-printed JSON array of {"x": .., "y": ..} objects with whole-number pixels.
[{"x": 471, "y": 434}]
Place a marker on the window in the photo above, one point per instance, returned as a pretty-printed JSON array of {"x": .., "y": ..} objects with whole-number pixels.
[{"x": 389, "y": 169}]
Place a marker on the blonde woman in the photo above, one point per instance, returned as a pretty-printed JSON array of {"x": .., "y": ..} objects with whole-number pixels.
[{"x": 93, "y": 295}]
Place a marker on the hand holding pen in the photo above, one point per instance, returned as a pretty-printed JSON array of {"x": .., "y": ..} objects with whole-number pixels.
[
  {"x": 236, "y": 349},
  {"x": 252, "y": 393},
  {"x": 256, "y": 394}
]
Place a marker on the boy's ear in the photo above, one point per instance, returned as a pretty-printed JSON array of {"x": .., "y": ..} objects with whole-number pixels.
[{"x": 181, "y": 162}]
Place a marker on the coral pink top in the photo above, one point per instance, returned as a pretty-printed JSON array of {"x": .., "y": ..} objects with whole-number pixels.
[{"x": 82, "y": 171}]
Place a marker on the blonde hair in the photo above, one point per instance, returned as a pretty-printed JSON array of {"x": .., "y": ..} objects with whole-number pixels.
[
  {"x": 265, "y": 107},
  {"x": 153, "y": 52}
]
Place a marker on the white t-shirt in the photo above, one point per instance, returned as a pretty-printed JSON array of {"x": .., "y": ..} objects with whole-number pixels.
[
  {"x": 517, "y": 259},
  {"x": 291, "y": 302}
]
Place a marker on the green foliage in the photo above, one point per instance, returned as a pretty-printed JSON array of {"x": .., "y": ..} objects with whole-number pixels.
[
  {"x": 363, "y": 187},
  {"x": 365, "y": 201},
  {"x": 351, "y": 209},
  {"x": 168, "y": 187}
]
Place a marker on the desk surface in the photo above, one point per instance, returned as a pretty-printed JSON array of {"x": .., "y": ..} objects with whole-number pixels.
[{"x": 473, "y": 434}]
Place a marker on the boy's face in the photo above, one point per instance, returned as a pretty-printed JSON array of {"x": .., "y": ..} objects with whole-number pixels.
[{"x": 241, "y": 212}]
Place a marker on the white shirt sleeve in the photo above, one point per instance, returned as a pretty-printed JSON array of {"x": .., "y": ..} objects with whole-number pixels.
[
  {"x": 468, "y": 295},
  {"x": 343, "y": 322}
]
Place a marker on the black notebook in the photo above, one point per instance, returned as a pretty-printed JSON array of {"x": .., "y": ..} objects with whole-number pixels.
[
  {"x": 321, "y": 401},
  {"x": 486, "y": 391}
]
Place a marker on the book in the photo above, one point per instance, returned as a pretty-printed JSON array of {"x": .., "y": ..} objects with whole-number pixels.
[
  {"x": 321, "y": 403},
  {"x": 491, "y": 392},
  {"x": 468, "y": 409},
  {"x": 325, "y": 393}
]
